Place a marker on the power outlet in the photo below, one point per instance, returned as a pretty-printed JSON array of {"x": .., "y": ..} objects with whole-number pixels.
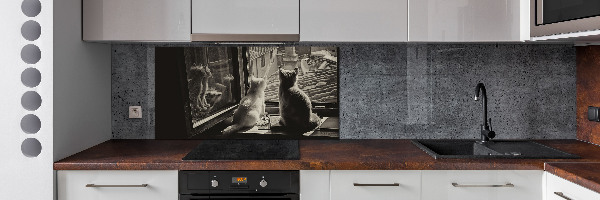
[
  {"x": 135, "y": 112},
  {"x": 593, "y": 114}
]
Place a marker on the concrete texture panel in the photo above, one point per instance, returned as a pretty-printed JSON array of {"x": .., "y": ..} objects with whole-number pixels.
[{"x": 395, "y": 91}]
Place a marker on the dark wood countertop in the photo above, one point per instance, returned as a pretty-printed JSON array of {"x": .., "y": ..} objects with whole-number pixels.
[
  {"x": 581, "y": 173},
  {"x": 315, "y": 155}
]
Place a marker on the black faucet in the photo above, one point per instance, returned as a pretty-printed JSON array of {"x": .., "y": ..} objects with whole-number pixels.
[{"x": 486, "y": 130}]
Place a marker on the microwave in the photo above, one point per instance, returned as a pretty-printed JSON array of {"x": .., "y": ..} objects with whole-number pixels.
[{"x": 555, "y": 19}]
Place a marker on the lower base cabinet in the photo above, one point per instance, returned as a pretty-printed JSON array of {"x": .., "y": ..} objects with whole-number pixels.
[
  {"x": 482, "y": 184},
  {"x": 117, "y": 185},
  {"x": 375, "y": 185},
  {"x": 340, "y": 185},
  {"x": 421, "y": 185},
  {"x": 560, "y": 189}
]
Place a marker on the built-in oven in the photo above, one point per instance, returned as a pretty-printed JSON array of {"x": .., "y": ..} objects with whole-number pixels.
[
  {"x": 555, "y": 17},
  {"x": 234, "y": 185}
]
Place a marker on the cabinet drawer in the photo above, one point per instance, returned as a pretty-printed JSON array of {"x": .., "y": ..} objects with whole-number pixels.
[
  {"x": 482, "y": 184},
  {"x": 567, "y": 189},
  {"x": 117, "y": 185},
  {"x": 380, "y": 185}
]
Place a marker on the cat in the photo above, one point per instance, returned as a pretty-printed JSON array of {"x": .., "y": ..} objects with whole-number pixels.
[
  {"x": 251, "y": 107},
  {"x": 205, "y": 74},
  {"x": 295, "y": 107}
]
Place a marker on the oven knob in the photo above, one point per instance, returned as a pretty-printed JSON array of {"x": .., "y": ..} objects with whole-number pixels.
[
  {"x": 263, "y": 183},
  {"x": 214, "y": 183}
]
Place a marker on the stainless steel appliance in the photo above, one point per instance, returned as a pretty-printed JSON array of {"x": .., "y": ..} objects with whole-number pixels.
[
  {"x": 233, "y": 185},
  {"x": 556, "y": 17}
]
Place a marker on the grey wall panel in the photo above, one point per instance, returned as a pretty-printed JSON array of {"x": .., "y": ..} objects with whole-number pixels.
[
  {"x": 410, "y": 90},
  {"x": 132, "y": 85}
]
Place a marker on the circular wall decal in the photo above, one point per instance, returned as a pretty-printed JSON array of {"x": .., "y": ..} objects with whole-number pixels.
[
  {"x": 31, "y": 77},
  {"x": 31, "y": 54},
  {"x": 31, "y": 147},
  {"x": 31, "y": 30},
  {"x": 30, "y": 124},
  {"x": 31, "y": 100},
  {"x": 31, "y": 8}
]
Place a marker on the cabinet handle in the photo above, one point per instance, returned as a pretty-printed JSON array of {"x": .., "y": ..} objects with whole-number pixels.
[
  {"x": 362, "y": 184},
  {"x": 560, "y": 194},
  {"x": 505, "y": 185},
  {"x": 94, "y": 185}
]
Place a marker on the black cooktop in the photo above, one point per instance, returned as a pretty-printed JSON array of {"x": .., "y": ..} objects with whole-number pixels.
[{"x": 245, "y": 150}]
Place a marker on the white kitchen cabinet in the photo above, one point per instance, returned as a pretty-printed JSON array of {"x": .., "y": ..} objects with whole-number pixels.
[
  {"x": 117, "y": 185},
  {"x": 468, "y": 20},
  {"x": 244, "y": 20},
  {"x": 136, "y": 20},
  {"x": 482, "y": 184},
  {"x": 314, "y": 184},
  {"x": 561, "y": 189},
  {"x": 378, "y": 184},
  {"x": 354, "y": 20}
]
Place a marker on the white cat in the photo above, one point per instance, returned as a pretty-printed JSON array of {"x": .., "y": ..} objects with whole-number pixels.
[{"x": 251, "y": 108}]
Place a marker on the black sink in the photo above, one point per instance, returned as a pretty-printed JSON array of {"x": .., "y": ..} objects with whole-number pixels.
[{"x": 492, "y": 149}]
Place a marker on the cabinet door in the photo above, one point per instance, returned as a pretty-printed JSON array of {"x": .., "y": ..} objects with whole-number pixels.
[
  {"x": 375, "y": 185},
  {"x": 482, "y": 184},
  {"x": 136, "y": 20},
  {"x": 223, "y": 18},
  {"x": 314, "y": 184},
  {"x": 468, "y": 20},
  {"x": 354, "y": 20},
  {"x": 117, "y": 185},
  {"x": 561, "y": 189}
]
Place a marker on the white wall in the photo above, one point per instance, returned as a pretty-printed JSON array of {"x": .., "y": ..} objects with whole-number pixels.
[
  {"x": 82, "y": 84},
  {"x": 75, "y": 93}
]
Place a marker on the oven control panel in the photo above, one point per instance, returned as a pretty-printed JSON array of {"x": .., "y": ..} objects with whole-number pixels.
[{"x": 223, "y": 182}]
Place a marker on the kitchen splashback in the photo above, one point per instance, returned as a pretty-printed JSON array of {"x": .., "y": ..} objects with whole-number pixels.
[
  {"x": 588, "y": 84},
  {"x": 402, "y": 91}
]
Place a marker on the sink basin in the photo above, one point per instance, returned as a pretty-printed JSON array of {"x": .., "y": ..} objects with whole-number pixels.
[{"x": 494, "y": 149}]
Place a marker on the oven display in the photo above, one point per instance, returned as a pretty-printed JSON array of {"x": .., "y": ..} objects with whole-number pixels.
[{"x": 239, "y": 180}]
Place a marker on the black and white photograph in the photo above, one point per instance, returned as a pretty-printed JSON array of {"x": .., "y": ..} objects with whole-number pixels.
[
  {"x": 258, "y": 92},
  {"x": 210, "y": 81}
]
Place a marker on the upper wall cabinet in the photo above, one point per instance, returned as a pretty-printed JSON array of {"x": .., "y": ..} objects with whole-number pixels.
[
  {"x": 468, "y": 20},
  {"x": 136, "y": 20},
  {"x": 245, "y": 20},
  {"x": 307, "y": 20},
  {"x": 354, "y": 20}
]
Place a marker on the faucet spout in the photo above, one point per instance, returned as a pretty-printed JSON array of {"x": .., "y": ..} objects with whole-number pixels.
[
  {"x": 486, "y": 132},
  {"x": 481, "y": 88}
]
